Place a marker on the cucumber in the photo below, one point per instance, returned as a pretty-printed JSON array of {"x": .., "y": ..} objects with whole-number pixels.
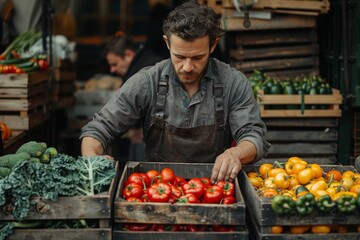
[{"x": 25, "y": 65}]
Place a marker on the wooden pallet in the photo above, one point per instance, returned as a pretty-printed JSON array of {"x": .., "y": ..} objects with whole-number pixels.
[
  {"x": 13, "y": 80},
  {"x": 302, "y": 102}
]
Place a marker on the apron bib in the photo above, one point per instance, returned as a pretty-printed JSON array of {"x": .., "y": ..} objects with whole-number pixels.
[{"x": 166, "y": 143}]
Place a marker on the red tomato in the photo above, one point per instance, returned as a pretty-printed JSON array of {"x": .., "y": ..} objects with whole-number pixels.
[
  {"x": 167, "y": 176},
  {"x": 159, "y": 192},
  {"x": 213, "y": 194},
  {"x": 188, "y": 198},
  {"x": 228, "y": 200},
  {"x": 179, "y": 181},
  {"x": 133, "y": 190},
  {"x": 228, "y": 187},
  {"x": 152, "y": 173},
  {"x": 176, "y": 193},
  {"x": 194, "y": 186},
  {"x": 140, "y": 178},
  {"x": 206, "y": 181}
]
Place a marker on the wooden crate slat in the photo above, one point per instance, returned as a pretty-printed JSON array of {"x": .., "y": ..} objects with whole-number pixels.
[
  {"x": 268, "y": 64},
  {"x": 22, "y": 104},
  {"x": 278, "y": 22},
  {"x": 142, "y": 235},
  {"x": 302, "y": 123},
  {"x": 68, "y": 233},
  {"x": 301, "y": 135},
  {"x": 297, "y": 113},
  {"x": 278, "y": 52},
  {"x": 23, "y": 80},
  {"x": 321, "y": 6},
  {"x": 18, "y": 122},
  {"x": 23, "y": 92},
  {"x": 279, "y": 37},
  {"x": 304, "y": 149},
  {"x": 275, "y": 99}
]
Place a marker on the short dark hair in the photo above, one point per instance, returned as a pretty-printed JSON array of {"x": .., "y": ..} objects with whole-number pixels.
[
  {"x": 192, "y": 20},
  {"x": 118, "y": 45}
]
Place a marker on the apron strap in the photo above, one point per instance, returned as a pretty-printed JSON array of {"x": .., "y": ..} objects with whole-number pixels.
[
  {"x": 219, "y": 102},
  {"x": 161, "y": 95}
]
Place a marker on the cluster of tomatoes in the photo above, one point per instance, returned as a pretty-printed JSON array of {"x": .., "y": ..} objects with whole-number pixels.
[
  {"x": 273, "y": 179},
  {"x": 166, "y": 187}
]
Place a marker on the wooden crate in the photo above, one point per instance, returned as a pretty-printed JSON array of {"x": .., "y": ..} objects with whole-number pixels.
[
  {"x": 94, "y": 208},
  {"x": 261, "y": 218},
  {"x": 303, "y": 102},
  {"x": 297, "y": 7},
  {"x": 265, "y": 217},
  {"x": 166, "y": 213},
  {"x": 313, "y": 139},
  {"x": 24, "y": 99}
]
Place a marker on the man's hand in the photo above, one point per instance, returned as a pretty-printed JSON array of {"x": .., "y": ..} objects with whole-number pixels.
[
  {"x": 229, "y": 163},
  {"x": 136, "y": 135},
  {"x": 227, "y": 166}
]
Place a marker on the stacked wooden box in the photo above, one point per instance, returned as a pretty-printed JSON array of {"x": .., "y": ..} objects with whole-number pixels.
[
  {"x": 95, "y": 210},
  {"x": 314, "y": 139},
  {"x": 24, "y": 99},
  {"x": 263, "y": 218},
  {"x": 167, "y": 213},
  {"x": 64, "y": 77}
]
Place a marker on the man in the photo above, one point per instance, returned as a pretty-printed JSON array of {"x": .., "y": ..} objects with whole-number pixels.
[
  {"x": 191, "y": 105},
  {"x": 126, "y": 58}
]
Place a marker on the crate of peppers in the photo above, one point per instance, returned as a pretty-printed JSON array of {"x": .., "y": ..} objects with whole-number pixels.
[
  {"x": 177, "y": 201},
  {"x": 300, "y": 199}
]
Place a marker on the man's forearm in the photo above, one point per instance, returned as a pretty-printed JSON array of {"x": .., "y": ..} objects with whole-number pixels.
[
  {"x": 247, "y": 151},
  {"x": 91, "y": 147}
]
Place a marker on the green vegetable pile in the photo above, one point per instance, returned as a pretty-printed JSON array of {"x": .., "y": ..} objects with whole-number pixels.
[{"x": 300, "y": 85}]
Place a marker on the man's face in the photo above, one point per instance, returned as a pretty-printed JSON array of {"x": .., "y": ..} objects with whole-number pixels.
[
  {"x": 118, "y": 65},
  {"x": 189, "y": 58}
]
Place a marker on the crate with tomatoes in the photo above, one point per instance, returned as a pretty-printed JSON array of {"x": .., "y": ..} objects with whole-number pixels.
[
  {"x": 300, "y": 198},
  {"x": 177, "y": 201}
]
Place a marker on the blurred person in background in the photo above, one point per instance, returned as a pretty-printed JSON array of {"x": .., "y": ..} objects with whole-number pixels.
[{"x": 125, "y": 58}]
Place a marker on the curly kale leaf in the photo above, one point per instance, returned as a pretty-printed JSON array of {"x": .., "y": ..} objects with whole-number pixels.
[{"x": 95, "y": 174}]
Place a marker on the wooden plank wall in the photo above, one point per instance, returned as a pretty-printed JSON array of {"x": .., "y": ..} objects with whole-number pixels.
[
  {"x": 313, "y": 139},
  {"x": 280, "y": 53}
]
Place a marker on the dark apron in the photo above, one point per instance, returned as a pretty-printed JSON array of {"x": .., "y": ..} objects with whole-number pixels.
[{"x": 166, "y": 143}]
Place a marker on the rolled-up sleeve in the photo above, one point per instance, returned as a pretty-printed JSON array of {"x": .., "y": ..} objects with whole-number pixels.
[
  {"x": 123, "y": 111},
  {"x": 244, "y": 116}
]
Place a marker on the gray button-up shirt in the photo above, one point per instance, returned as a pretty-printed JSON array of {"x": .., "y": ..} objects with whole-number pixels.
[{"x": 135, "y": 102}]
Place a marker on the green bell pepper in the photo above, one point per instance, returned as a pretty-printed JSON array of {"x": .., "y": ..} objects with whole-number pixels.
[
  {"x": 305, "y": 204},
  {"x": 346, "y": 204},
  {"x": 282, "y": 204},
  {"x": 325, "y": 203}
]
